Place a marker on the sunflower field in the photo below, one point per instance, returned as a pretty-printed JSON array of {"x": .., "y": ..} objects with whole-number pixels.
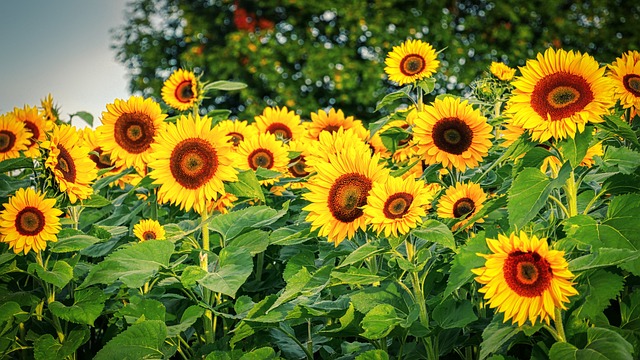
[{"x": 499, "y": 225}]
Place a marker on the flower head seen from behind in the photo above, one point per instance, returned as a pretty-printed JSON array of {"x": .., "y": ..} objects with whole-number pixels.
[
  {"x": 181, "y": 90},
  {"x": 559, "y": 93},
  {"x": 29, "y": 221},
  {"x": 14, "y": 137},
  {"x": 413, "y": 60},
  {"x": 397, "y": 205},
  {"x": 502, "y": 71},
  {"x": 524, "y": 279},
  {"x": 461, "y": 201},
  {"x": 625, "y": 73},
  {"x": 191, "y": 163},
  {"x": 452, "y": 132},
  {"x": 148, "y": 229}
]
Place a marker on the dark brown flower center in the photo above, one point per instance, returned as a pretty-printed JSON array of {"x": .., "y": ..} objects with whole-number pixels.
[
  {"x": 452, "y": 135},
  {"x": 7, "y": 140},
  {"x": 66, "y": 165},
  {"x": 412, "y": 64},
  {"x": 30, "y": 221},
  {"x": 280, "y": 130},
  {"x": 102, "y": 160},
  {"x": 297, "y": 167},
  {"x": 261, "y": 158},
  {"x": 184, "y": 92},
  {"x": 235, "y": 138},
  {"x": 560, "y": 95},
  {"x": 347, "y": 196},
  {"x": 134, "y": 132},
  {"x": 193, "y": 163},
  {"x": 527, "y": 273},
  {"x": 632, "y": 84},
  {"x": 397, "y": 205},
  {"x": 149, "y": 235},
  {"x": 331, "y": 128},
  {"x": 463, "y": 207},
  {"x": 35, "y": 132}
]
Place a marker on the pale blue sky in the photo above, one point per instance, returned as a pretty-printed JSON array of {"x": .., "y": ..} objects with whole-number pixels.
[{"x": 60, "y": 47}]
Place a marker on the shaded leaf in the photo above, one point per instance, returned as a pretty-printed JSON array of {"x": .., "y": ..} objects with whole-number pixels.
[
  {"x": 362, "y": 253},
  {"x": 574, "y": 149},
  {"x": 403, "y": 93},
  {"x": 255, "y": 241},
  {"x": 304, "y": 284},
  {"x": 233, "y": 223},
  {"x": 247, "y": 186},
  {"x": 465, "y": 260},
  {"x": 59, "y": 276},
  {"x": 230, "y": 271},
  {"x": 373, "y": 355},
  {"x": 380, "y": 321},
  {"x": 452, "y": 313},
  {"x": 603, "y": 257},
  {"x": 622, "y": 159},
  {"x": 496, "y": 336},
  {"x": 597, "y": 289},
  {"x": 437, "y": 232},
  {"x": 87, "y": 306},
  {"x": 602, "y": 344},
  {"x": 140, "y": 341}
]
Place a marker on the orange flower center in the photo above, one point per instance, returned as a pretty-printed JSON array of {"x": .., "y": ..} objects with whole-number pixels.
[
  {"x": 134, "y": 132},
  {"x": 297, "y": 167},
  {"x": 66, "y": 165},
  {"x": 280, "y": 130},
  {"x": 452, "y": 135},
  {"x": 412, "y": 64},
  {"x": 184, "y": 92},
  {"x": 102, "y": 160},
  {"x": 193, "y": 163},
  {"x": 527, "y": 273},
  {"x": 235, "y": 138},
  {"x": 348, "y": 195},
  {"x": 397, "y": 205},
  {"x": 7, "y": 141},
  {"x": 560, "y": 95},
  {"x": 149, "y": 235},
  {"x": 30, "y": 221},
  {"x": 463, "y": 207},
  {"x": 632, "y": 84},
  {"x": 261, "y": 158}
]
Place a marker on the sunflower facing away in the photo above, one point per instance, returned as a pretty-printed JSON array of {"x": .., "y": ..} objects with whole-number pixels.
[
  {"x": 411, "y": 61},
  {"x": 264, "y": 151},
  {"x": 28, "y": 221},
  {"x": 397, "y": 205},
  {"x": 524, "y": 279},
  {"x": 332, "y": 121},
  {"x": 237, "y": 130},
  {"x": 14, "y": 137},
  {"x": 70, "y": 163},
  {"x": 148, "y": 229},
  {"x": 191, "y": 161},
  {"x": 559, "y": 93},
  {"x": 37, "y": 125},
  {"x": 181, "y": 90},
  {"x": 128, "y": 129},
  {"x": 502, "y": 71},
  {"x": 461, "y": 201},
  {"x": 453, "y": 133},
  {"x": 339, "y": 190},
  {"x": 282, "y": 123},
  {"x": 625, "y": 73}
]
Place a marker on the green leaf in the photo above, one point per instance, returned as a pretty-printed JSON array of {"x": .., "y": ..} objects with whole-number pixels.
[
  {"x": 260, "y": 312},
  {"x": 303, "y": 284},
  {"x": 255, "y": 241},
  {"x": 465, "y": 260},
  {"x": 263, "y": 353},
  {"x": 230, "y": 271},
  {"x": 373, "y": 355},
  {"x": 522, "y": 145},
  {"x": 623, "y": 159},
  {"x": 629, "y": 312},
  {"x": 189, "y": 317},
  {"x": 138, "y": 307},
  {"x": 380, "y": 321},
  {"x": 356, "y": 276},
  {"x": 622, "y": 215},
  {"x": 140, "y": 341},
  {"x": 597, "y": 289},
  {"x": 96, "y": 201},
  {"x": 233, "y": 223},
  {"x": 59, "y": 276},
  {"x": 87, "y": 306},
  {"x": 496, "y": 336},
  {"x": 105, "y": 181},
  {"x": 603, "y": 257},
  {"x": 366, "y": 299},
  {"x": 529, "y": 193},
  {"x": 73, "y": 243},
  {"x": 132, "y": 264},
  {"x": 622, "y": 184},
  {"x": 87, "y": 117},
  {"x": 390, "y": 98},
  {"x": 427, "y": 85},
  {"x": 15, "y": 164},
  {"x": 452, "y": 313},
  {"x": 619, "y": 127},
  {"x": 602, "y": 344},
  {"x": 574, "y": 149},
  {"x": 46, "y": 348},
  {"x": 290, "y": 235},
  {"x": 363, "y": 252},
  {"x": 224, "y": 85},
  {"x": 247, "y": 186},
  {"x": 219, "y": 114},
  {"x": 437, "y": 232}
]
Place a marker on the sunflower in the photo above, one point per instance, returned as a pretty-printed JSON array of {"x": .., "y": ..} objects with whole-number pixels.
[
  {"x": 510, "y": 133},
  {"x": 625, "y": 73},
  {"x": 559, "y": 93},
  {"x": 404, "y": 148},
  {"x": 36, "y": 124},
  {"x": 223, "y": 204},
  {"x": 339, "y": 190},
  {"x": 461, "y": 201},
  {"x": 282, "y": 123},
  {"x": 502, "y": 71},
  {"x": 332, "y": 143},
  {"x": 128, "y": 130},
  {"x": 191, "y": 161},
  {"x": 297, "y": 163},
  {"x": 49, "y": 110},
  {"x": 265, "y": 151},
  {"x": 28, "y": 221},
  {"x": 411, "y": 61},
  {"x": 238, "y": 130},
  {"x": 181, "y": 90},
  {"x": 331, "y": 122},
  {"x": 595, "y": 150},
  {"x": 524, "y": 279},
  {"x": 453, "y": 133},
  {"x": 14, "y": 137},
  {"x": 149, "y": 230},
  {"x": 103, "y": 161},
  {"x": 397, "y": 205},
  {"x": 70, "y": 163}
]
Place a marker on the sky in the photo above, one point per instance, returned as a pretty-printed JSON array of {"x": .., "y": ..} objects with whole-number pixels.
[{"x": 61, "y": 47}]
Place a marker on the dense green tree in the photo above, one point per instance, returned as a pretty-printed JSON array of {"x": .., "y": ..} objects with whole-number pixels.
[{"x": 309, "y": 54}]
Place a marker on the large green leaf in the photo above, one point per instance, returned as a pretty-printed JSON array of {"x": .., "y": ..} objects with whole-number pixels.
[
  {"x": 255, "y": 241},
  {"x": 574, "y": 149},
  {"x": 143, "y": 340},
  {"x": 59, "y": 276},
  {"x": 496, "y": 336},
  {"x": 622, "y": 215},
  {"x": 47, "y": 348},
  {"x": 630, "y": 312},
  {"x": 356, "y": 276},
  {"x": 15, "y": 164},
  {"x": 403, "y": 93},
  {"x": 87, "y": 306},
  {"x": 380, "y": 321},
  {"x": 373, "y": 355},
  {"x": 138, "y": 307},
  {"x": 619, "y": 127},
  {"x": 230, "y": 271},
  {"x": 304, "y": 284},
  {"x": 189, "y": 317},
  {"x": 233, "y": 223},
  {"x": 602, "y": 344},
  {"x": 597, "y": 289},
  {"x": 247, "y": 186},
  {"x": 437, "y": 232},
  {"x": 603, "y": 257},
  {"x": 73, "y": 241},
  {"x": 622, "y": 159},
  {"x": 387, "y": 293},
  {"x": 132, "y": 264},
  {"x": 363, "y": 252},
  {"x": 452, "y": 313},
  {"x": 465, "y": 260},
  {"x": 291, "y": 235}
]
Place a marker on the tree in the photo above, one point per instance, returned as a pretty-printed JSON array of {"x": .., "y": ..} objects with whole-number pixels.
[{"x": 308, "y": 55}]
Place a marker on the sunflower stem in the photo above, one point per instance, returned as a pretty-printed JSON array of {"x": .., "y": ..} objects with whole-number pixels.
[
  {"x": 559, "y": 326},
  {"x": 208, "y": 321},
  {"x": 560, "y": 205},
  {"x": 420, "y": 98},
  {"x": 572, "y": 195},
  {"x": 259, "y": 265}
]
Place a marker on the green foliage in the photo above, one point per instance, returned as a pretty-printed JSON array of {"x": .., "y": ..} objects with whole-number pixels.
[{"x": 601, "y": 344}]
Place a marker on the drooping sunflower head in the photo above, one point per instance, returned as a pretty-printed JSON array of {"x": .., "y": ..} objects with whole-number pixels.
[
  {"x": 263, "y": 150},
  {"x": 14, "y": 137},
  {"x": 559, "y": 93},
  {"x": 625, "y": 74},
  {"x": 191, "y": 162},
  {"x": 332, "y": 121},
  {"x": 502, "y": 71},
  {"x": 36, "y": 124},
  {"x": 397, "y": 205},
  {"x": 453, "y": 133},
  {"x": 524, "y": 279},
  {"x": 148, "y": 229},
  {"x": 237, "y": 130},
  {"x": 128, "y": 130},
  {"x": 411, "y": 61},
  {"x": 69, "y": 161},
  {"x": 339, "y": 190},
  {"x": 29, "y": 221},
  {"x": 332, "y": 143},
  {"x": 281, "y": 122},
  {"x": 461, "y": 202},
  {"x": 182, "y": 90},
  {"x": 49, "y": 110}
]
